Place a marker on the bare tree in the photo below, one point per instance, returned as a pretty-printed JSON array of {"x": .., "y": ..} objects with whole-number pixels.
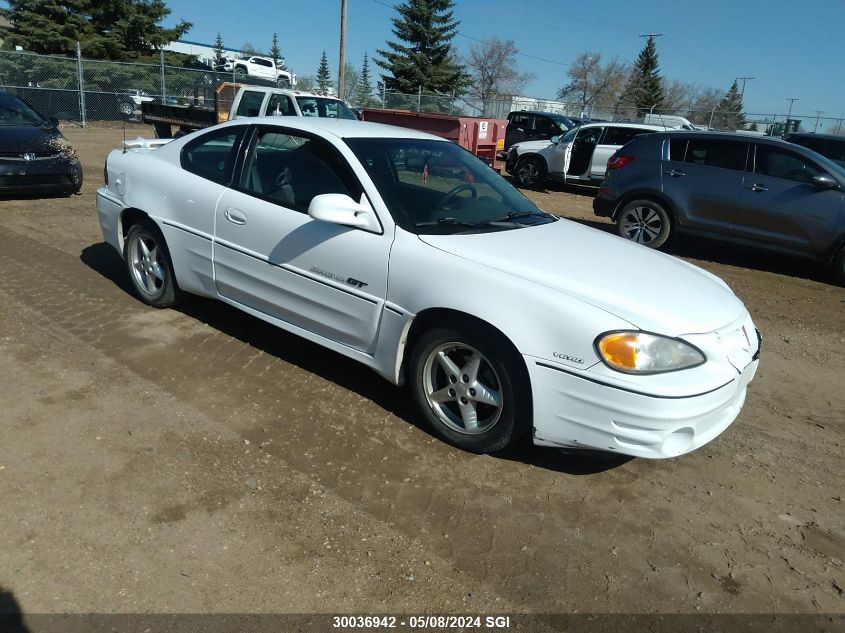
[
  {"x": 494, "y": 72},
  {"x": 592, "y": 83},
  {"x": 677, "y": 96}
]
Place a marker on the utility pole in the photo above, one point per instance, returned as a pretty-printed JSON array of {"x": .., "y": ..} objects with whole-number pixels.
[
  {"x": 341, "y": 73},
  {"x": 743, "y": 79},
  {"x": 789, "y": 114},
  {"x": 818, "y": 114}
]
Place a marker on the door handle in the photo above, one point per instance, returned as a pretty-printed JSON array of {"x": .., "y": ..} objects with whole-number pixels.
[
  {"x": 675, "y": 173},
  {"x": 757, "y": 187},
  {"x": 234, "y": 216}
]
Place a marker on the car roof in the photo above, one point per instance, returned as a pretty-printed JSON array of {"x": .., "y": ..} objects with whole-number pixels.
[
  {"x": 831, "y": 137},
  {"x": 287, "y": 91},
  {"x": 543, "y": 113},
  {"x": 342, "y": 128},
  {"x": 633, "y": 126}
]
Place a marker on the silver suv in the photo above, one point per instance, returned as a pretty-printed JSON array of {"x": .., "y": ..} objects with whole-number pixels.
[{"x": 757, "y": 191}]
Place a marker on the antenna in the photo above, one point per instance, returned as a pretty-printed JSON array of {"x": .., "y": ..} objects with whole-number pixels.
[{"x": 124, "y": 136}]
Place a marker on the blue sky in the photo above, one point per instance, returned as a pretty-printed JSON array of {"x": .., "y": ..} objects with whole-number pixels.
[{"x": 792, "y": 50}]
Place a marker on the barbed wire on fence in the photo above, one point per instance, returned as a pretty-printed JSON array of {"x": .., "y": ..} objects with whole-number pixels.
[{"x": 81, "y": 90}]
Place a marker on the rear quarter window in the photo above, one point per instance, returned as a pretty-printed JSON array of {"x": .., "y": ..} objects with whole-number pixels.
[{"x": 717, "y": 153}]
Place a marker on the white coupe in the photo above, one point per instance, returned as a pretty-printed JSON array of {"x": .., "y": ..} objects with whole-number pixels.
[{"x": 405, "y": 252}]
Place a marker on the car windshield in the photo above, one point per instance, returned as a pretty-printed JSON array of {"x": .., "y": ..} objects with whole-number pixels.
[
  {"x": 564, "y": 123},
  {"x": 435, "y": 186},
  {"x": 13, "y": 111},
  {"x": 325, "y": 107},
  {"x": 567, "y": 138}
]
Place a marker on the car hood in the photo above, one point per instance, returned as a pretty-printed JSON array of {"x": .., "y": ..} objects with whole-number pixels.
[
  {"x": 35, "y": 139},
  {"x": 654, "y": 291},
  {"x": 531, "y": 146}
]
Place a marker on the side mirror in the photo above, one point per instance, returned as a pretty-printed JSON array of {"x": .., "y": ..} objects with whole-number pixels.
[
  {"x": 52, "y": 123},
  {"x": 338, "y": 208},
  {"x": 555, "y": 139},
  {"x": 824, "y": 181}
]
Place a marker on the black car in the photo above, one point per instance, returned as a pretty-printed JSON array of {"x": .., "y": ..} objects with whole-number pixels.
[
  {"x": 527, "y": 125},
  {"x": 828, "y": 145},
  {"x": 34, "y": 155}
]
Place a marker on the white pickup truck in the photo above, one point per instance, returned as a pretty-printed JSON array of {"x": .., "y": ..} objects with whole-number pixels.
[
  {"x": 249, "y": 101},
  {"x": 262, "y": 68}
]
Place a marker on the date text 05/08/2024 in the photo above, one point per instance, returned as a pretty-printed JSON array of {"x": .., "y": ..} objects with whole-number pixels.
[{"x": 421, "y": 622}]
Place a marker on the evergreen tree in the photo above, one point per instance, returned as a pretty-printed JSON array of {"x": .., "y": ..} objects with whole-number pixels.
[
  {"x": 645, "y": 87},
  {"x": 729, "y": 115},
  {"x": 423, "y": 56},
  {"x": 364, "y": 87},
  {"x": 125, "y": 30},
  {"x": 219, "y": 52},
  {"x": 324, "y": 77},
  {"x": 276, "y": 54}
]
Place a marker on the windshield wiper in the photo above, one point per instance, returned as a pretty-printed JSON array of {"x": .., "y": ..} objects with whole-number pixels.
[
  {"x": 517, "y": 215},
  {"x": 446, "y": 222}
]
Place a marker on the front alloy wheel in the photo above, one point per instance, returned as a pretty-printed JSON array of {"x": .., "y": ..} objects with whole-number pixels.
[
  {"x": 462, "y": 388},
  {"x": 644, "y": 222},
  {"x": 528, "y": 172},
  {"x": 471, "y": 386}
]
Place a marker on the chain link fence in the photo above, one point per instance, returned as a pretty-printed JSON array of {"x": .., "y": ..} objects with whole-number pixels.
[
  {"x": 74, "y": 89},
  {"x": 83, "y": 90}
]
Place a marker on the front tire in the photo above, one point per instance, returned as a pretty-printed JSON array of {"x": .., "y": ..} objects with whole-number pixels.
[
  {"x": 645, "y": 222},
  {"x": 149, "y": 266},
  {"x": 471, "y": 387},
  {"x": 529, "y": 172},
  {"x": 127, "y": 109}
]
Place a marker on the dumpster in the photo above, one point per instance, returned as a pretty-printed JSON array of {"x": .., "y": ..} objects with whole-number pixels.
[{"x": 482, "y": 136}]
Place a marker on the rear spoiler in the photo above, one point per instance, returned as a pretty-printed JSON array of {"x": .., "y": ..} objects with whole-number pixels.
[{"x": 146, "y": 143}]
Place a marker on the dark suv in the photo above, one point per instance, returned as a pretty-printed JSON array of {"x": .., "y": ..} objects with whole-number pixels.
[
  {"x": 828, "y": 145},
  {"x": 752, "y": 190},
  {"x": 527, "y": 125}
]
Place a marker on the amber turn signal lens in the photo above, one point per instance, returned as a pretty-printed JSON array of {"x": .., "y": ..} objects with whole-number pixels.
[{"x": 620, "y": 350}]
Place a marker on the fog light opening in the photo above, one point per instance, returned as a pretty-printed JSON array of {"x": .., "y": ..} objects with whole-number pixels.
[{"x": 678, "y": 442}]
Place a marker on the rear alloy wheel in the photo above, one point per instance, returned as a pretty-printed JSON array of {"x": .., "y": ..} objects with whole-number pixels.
[
  {"x": 529, "y": 172},
  {"x": 149, "y": 266},
  {"x": 469, "y": 389},
  {"x": 644, "y": 222}
]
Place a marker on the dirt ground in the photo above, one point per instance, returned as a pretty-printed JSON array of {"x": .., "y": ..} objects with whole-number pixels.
[{"x": 199, "y": 460}]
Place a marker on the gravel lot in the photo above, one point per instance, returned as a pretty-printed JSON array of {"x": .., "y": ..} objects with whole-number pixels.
[{"x": 201, "y": 461}]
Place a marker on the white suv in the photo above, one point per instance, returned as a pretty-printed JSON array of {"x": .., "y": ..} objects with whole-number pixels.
[
  {"x": 261, "y": 68},
  {"x": 578, "y": 157}
]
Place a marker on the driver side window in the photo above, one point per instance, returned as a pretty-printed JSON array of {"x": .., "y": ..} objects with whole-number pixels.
[
  {"x": 291, "y": 170},
  {"x": 781, "y": 163}
]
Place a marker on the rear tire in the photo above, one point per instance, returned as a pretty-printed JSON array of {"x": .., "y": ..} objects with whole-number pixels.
[
  {"x": 149, "y": 266},
  {"x": 471, "y": 387},
  {"x": 530, "y": 172},
  {"x": 645, "y": 222}
]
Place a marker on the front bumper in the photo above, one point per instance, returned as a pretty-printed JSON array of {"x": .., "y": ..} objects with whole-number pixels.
[
  {"x": 572, "y": 409},
  {"x": 510, "y": 161},
  {"x": 51, "y": 175}
]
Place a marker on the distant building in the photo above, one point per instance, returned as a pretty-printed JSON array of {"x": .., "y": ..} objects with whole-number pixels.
[{"x": 203, "y": 52}]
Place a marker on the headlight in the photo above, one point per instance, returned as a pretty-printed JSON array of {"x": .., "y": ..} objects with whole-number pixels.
[{"x": 643, "y": 353}]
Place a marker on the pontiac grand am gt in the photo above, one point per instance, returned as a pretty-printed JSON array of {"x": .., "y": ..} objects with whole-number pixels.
[{"x": 405, "y": 252}]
